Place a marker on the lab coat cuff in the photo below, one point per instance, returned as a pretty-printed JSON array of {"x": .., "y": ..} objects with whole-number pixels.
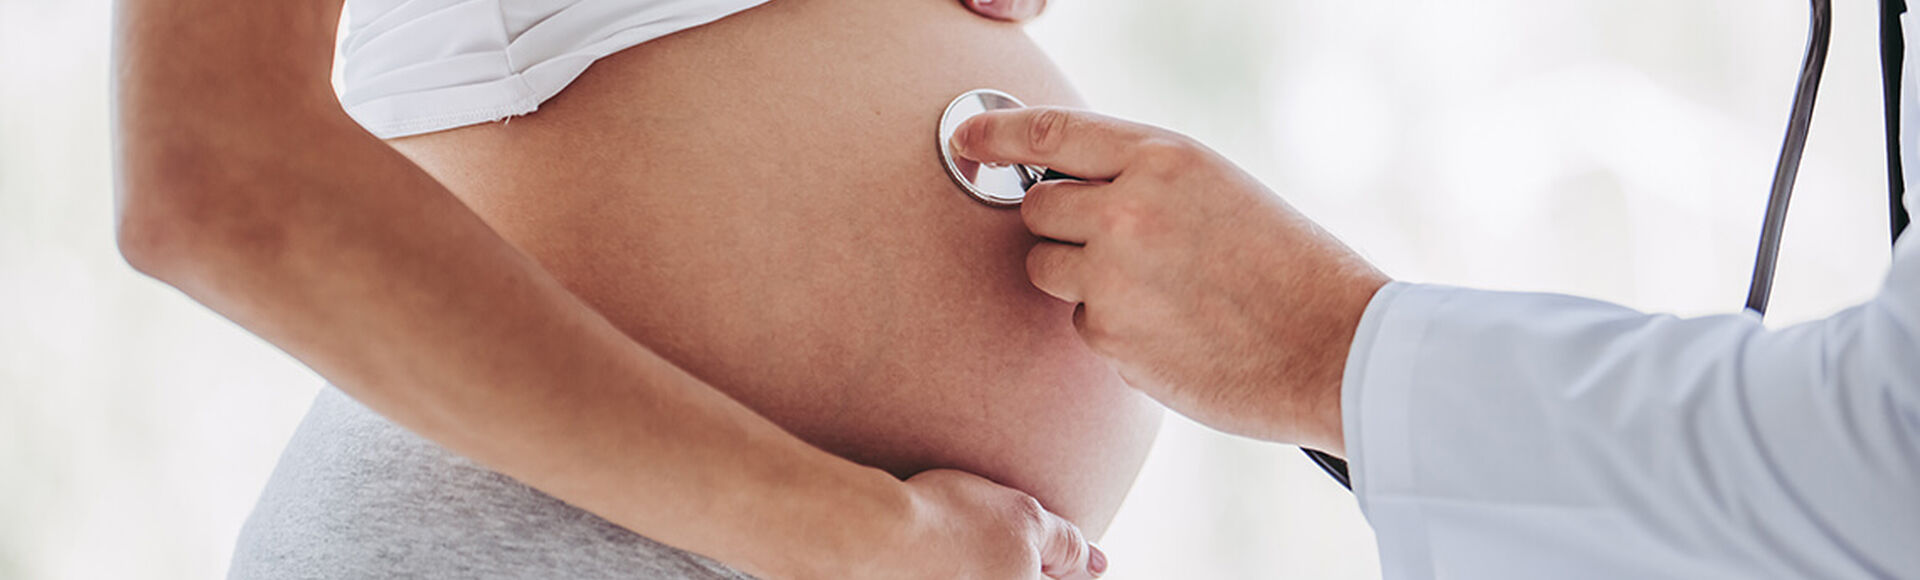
[{"x": 1376, "y": 388}]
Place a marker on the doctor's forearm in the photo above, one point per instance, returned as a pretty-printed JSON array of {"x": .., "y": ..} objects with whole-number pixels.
[
  {"x": 244, "y": 185},
  {"x": 1747, "y": 443}
]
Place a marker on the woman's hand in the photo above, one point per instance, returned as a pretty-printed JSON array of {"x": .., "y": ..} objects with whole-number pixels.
[
  {"x": 1011, "y": 10},
  {"x": 964, "y": 526},
  {"x": 1206, "y": 290}
]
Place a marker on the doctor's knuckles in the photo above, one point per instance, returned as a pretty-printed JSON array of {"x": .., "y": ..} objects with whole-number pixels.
[{"x": 1202, "y": 287}]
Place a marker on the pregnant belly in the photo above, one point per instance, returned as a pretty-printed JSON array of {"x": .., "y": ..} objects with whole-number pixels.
[{"x": 760, "y": 201}]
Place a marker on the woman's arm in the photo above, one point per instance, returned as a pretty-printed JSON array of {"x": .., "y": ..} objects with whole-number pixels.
[{"x": 243, "y": 184}]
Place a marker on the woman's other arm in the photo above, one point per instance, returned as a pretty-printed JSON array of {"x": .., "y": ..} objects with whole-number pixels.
[{"x": 243, "y": 184}]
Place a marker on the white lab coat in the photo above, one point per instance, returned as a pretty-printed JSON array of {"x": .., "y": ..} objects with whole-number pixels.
[{"x": 1497, "y": 435}]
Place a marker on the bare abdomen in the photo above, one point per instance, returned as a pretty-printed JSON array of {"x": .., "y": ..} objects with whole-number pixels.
[{"x": 760, "y": 201}]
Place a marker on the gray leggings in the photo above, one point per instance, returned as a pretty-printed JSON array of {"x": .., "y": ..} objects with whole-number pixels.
[{"x": 355, "y": 496}]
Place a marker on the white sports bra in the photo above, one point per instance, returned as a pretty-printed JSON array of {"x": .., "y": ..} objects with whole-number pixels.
[{"x": 419, "y": 66}]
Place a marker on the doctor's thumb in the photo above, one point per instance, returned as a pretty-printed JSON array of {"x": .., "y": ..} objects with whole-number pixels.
[{"x": 1012, "y": 10}]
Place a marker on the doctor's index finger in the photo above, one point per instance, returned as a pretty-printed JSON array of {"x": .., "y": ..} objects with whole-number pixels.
[{"x": 1079, "y": 143}]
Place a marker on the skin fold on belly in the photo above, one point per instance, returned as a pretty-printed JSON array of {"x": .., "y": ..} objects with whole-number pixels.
[{"x": 760, "y": 201}]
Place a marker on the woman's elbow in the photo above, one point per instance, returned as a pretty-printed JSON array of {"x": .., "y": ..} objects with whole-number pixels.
[
  {"x": 175, "y": 222},
  {"x": 142, "y": 242}
]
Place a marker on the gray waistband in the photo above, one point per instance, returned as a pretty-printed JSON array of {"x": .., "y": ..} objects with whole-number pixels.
[{"x": 355, "y": 496}]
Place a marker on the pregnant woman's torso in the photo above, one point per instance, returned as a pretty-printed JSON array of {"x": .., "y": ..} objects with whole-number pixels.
[{"x": 759, "y": 200}]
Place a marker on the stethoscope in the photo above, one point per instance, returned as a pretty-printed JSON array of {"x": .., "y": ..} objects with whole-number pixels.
[
  {"x": 994, "y": 185},
  {"x": 1004, "y": 186}
]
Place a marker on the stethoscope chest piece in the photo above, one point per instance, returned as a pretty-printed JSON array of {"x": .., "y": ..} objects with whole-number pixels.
[{"x": 994, "y": 185}]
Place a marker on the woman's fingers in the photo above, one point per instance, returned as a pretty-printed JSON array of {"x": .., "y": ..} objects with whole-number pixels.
[
  {"x": 1013, "y": 10},
  {"x": 1065, "y": 554},
  {"x": 976, "y": 528}
]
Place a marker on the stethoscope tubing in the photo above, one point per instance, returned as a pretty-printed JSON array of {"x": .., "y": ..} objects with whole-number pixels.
[
  {"x": 1893, "y": 53},
  {"x": 1787, "y": 171}
]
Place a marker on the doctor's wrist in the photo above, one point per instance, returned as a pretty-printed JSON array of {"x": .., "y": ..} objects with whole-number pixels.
[{"x": 1316, "y": 411}]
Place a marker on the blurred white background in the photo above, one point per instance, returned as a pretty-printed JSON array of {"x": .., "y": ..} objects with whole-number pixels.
[{"x": 1613, "y": 148}]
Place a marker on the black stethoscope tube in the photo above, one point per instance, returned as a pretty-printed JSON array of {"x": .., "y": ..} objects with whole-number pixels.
[
  {"x": 1893, "y": 53},
  {"x": 1334, "y": 466},
  {"x": 1892, "y": 58},
  {"x": 1788, "y": 169}
]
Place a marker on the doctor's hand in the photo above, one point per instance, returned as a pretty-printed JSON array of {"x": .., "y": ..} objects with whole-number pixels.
[
  {"x": 1014, "y": 10},
  {"x": 1203, "y": 289}
]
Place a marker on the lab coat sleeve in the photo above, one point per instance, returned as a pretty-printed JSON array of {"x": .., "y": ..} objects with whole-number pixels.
[{"x": 1507, "y": 435}]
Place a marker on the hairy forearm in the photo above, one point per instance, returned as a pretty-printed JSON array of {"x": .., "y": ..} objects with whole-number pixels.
[{"x": 244, "y": 185}]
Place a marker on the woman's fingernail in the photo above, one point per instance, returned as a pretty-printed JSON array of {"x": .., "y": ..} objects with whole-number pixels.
[
  {"x": 1001, "y": 9},
  {"x": 1096, "y": 561}
]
